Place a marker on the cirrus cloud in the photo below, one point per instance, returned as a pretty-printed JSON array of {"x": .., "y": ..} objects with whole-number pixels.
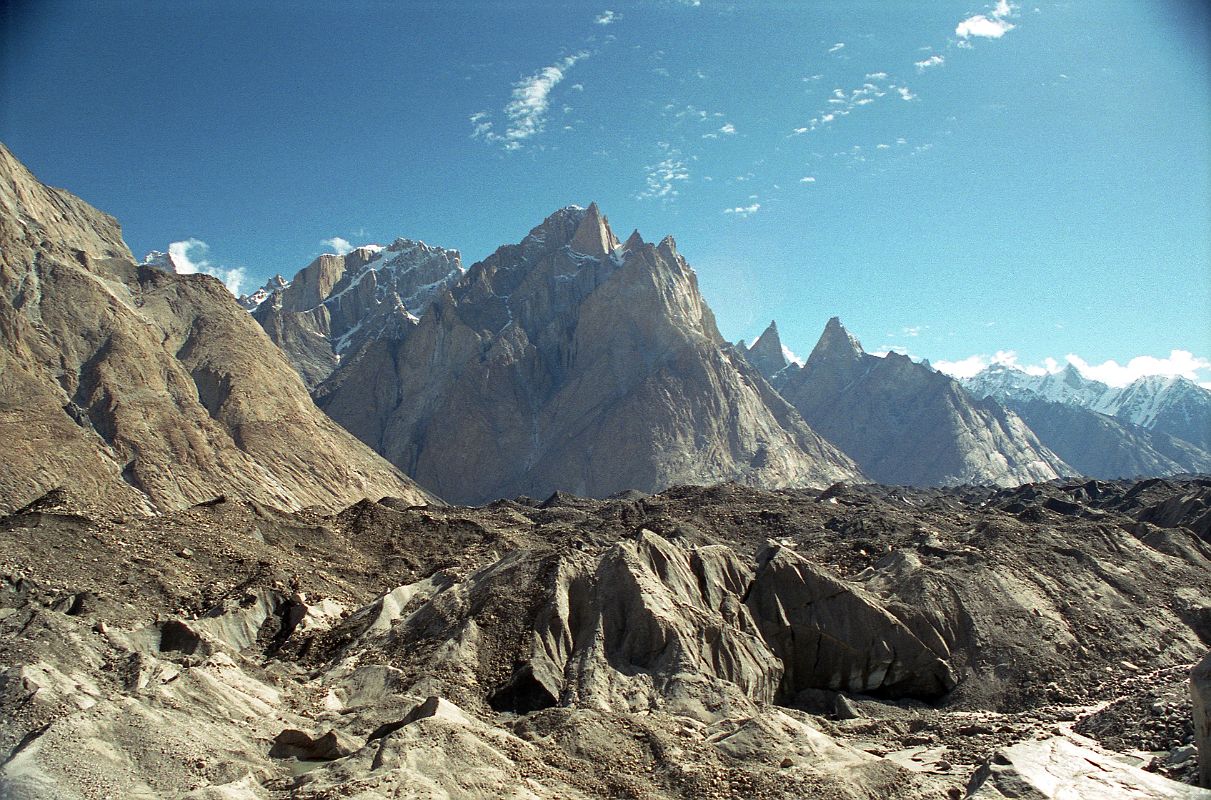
[{"x": 527, "y": 109}]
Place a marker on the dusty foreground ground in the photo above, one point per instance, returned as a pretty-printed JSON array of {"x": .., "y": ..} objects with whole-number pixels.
[{"x": 724, "y": 642}]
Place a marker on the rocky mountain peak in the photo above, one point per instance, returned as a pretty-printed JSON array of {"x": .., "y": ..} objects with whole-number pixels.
[
  {"x": 1072, "y": 376},
  {"x": 499, "y": 390},
  {"x": 36, "y": 214},
  {"x": 767, "y": 353},
  {"x": 159, "y": 392},
  {"x": 904, "y": 423},
  {"x": 633, "y": 241},
  {"x": 836, "y": 344},
  {"x": 593, "y": 236},
  {"x": 249, "y": 302},
  {"x": 314, "y": 282}
]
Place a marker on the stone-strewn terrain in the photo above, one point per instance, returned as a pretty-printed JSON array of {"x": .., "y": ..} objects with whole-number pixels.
[
  {"x": 143, "y": 389},
  {"x": 857, "y": 642},
  {"x": 571, "y": 361}
]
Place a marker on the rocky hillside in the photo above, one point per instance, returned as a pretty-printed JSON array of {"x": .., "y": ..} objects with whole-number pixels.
[
  {"x": 572, "y": 361},
  {"x": 859, "y": 642},
  {"x": 140, "y": 389},
  {"x": 904, "y": 423}
]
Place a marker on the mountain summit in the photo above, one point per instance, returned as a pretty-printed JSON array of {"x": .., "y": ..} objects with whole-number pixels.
[
  {"x": 337, "y": 302},
  {"x": 904, "y": 423},
  {"x": 767, "y": 353},
  {"x": 570, "y": 361}
]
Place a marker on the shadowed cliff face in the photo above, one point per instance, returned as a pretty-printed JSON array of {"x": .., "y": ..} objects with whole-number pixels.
[
  {"x": 569, "y": 361},
  {"x": 142, "y": 389},
  {"x": 904, "y": 423}
]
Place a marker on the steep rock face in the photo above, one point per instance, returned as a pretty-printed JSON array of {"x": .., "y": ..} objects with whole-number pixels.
[
  {"x": 570, "y": 362},
  {"x": 141, "y": 389},
  {"x": 337, "y": 303},
  {"x": 831, "y": 635},
  {"x": 767, "y": 353},
  {"x": 1200, "y": 696},
  {"x": 903, "y": 423}
]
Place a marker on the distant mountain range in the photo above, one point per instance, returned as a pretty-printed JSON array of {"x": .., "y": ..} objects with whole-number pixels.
[
  {"x": 1154, "y": 426},
  {"x": 568, "y": 361}
]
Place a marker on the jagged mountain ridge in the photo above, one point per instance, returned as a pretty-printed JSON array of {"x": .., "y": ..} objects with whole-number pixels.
[
  {"x": 572, "y": 361},
  {"x": 904, "y": 423},
  {"x": 1169, "y": 404},
  {"x": 249, "y": 302},
  {"x": 337, "y": 302},
  {"x": 1162, "y": 425},
  {"x": 146, "y": 390}
]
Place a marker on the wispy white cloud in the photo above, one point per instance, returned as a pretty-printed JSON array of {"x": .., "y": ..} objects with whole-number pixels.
[
  {"x": 994, "y": 25},
  {"x": 481, "y": 124},
  {"x": 1179, "y": 363},
  {"x": 662, "y": 179},
  {"x": 605, "y": 18},
  {"x": 338, "y": 245},
  {"x": 189, "y": 257},
  {"x": 526, "y": 112},
  {"x": 728, "y": 129},
  {"x": 743, "y": 211},
  {"x": 882, "y": 350},
  {"x": 807, "y": 179},
  {"x": 836, "y": 47},
  {"x": 932, "y": 61},
  {"x": 970, "y": 366},
  {"x": 842, "y": 103},
  {"x": 963, "y": 368}
]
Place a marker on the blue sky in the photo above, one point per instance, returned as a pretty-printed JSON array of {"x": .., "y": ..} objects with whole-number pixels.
[{"x": 955, "y": 179}]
